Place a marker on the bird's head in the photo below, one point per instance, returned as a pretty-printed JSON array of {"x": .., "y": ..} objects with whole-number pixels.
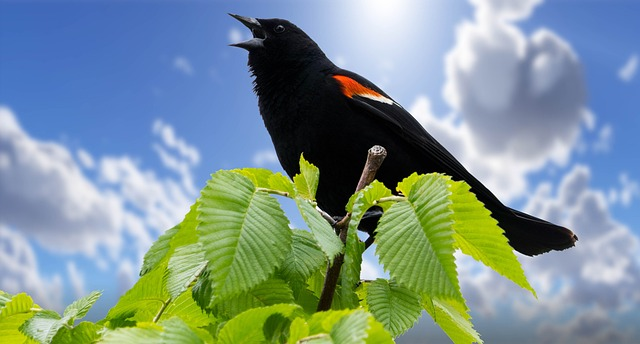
[{"x": 277, "y": 42}]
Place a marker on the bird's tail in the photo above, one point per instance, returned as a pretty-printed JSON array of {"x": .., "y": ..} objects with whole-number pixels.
[{"x": 532, "y": 236}]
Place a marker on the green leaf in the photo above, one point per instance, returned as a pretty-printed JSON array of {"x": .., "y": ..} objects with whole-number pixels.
[
  {"x": 169, "y": 331},
  {"x": 477, "y": 234},
  {"x": 351, "y": 328},
  {"x": 43, "y": 326},
  {"x": 396, "y": 307},
  {"x": 282, "y": 183},
  {"x": 181, "y": 235},
  {"x": 142, "y": 301},
  {"x": 247, "y": 327},
  {"x": 15, "y": 304},
  {"x": 377, "y": 334},
  {"x": 85, "y": 332},
  {"x": 79, "y": 308},
  {"x": 143, "y": 333},
  {"x": 452, "y": 317},
  {"x": 364, "y": 199},
  {"x": 302, "y": 261},
  {"x": 276, "y": 328},
  {"x": 186, "y": 309},
  {"x": 415, "y": 240},
  {"x": 158, "y": 250},
  {"x": 320, "y": 228},
  {"x": 404, "y": 187},
  {"x": 259, "y": 176},
  {"x": 345, "y": 326},
  {"x": 244, "y": 233},
  {"x": 14, "y": 311},
  {"x": 307, "y": 180},
  {"x": 185, "y": 265},
  {"x": 270, "y": 292},
  {"x": 298, "y": 330},
  {"x": 350, "y": 270}
]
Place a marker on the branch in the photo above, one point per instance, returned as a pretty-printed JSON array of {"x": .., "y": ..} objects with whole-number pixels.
[{"x": 375, "y": 158}]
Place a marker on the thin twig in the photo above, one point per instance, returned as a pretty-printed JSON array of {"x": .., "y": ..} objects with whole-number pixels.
[{"x": 374, "y": 161}]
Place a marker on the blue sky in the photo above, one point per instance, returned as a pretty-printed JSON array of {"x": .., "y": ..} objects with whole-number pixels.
[{"x": 113, "y": 114}]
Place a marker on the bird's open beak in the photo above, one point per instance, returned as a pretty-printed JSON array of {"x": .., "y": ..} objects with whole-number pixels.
[{"x": 256, "y": 30}]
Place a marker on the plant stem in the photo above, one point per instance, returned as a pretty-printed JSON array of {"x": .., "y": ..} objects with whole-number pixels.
[
  {"x": 164, "y": 306},
  {"x": 375, "y": 158},
  {"x": 275, "y": 192}
]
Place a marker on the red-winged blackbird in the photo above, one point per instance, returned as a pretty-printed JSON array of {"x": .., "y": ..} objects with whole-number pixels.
[{"x": 333, "y": 116}]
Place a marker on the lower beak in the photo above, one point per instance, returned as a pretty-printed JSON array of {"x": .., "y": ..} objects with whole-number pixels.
[{"x": 256, "y": 30}]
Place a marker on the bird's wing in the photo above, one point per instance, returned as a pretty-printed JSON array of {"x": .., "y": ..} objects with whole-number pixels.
[{"x": 363, "y": 94}]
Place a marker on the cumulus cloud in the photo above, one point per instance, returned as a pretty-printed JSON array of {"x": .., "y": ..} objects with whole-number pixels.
[
  {"x": 76, "y": 279},
  {"x": 629, "y": 190},
  {"x": 604, "y": 139},
  {"x": 127, "y": 275},
  {"x": 590, "y": 327},
  {"x": 235, "y": 35},
  {"x": 85, "y": 159},
  {"x": 44, "y": 193},
  {"x": 264, "y": 158},
  {"x": 169, "y": 138},
  {"x": 530, "y": 90},
  {"x": 600, "y": 274},
  {"x": 182, "y": 64},
  {"x": 19, "y": 271},
  {"x": 628, "y": 71},
  {"x": 46, "y": 196},
  {"x": 176, "y": 154},
  {"x": 510, "y": 10},
  {"x": 506, "y": 178}
]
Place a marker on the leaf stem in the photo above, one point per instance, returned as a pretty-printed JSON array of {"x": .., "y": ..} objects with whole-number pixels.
[
  {"x": 162, "y": 309},
  {"x": 275, "y": 192},
  {"x": 390, "y": 199},
  {"x": 375, "y": 157}
]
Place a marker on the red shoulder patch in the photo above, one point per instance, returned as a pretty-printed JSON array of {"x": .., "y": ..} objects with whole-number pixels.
[{"x": 352, "y": 88}]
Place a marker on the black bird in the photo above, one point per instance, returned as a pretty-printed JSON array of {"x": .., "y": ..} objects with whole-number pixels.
[{"x": 333, "y": 116}]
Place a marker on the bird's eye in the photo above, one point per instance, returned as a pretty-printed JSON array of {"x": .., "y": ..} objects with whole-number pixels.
[{"x": 278, "y": 29}]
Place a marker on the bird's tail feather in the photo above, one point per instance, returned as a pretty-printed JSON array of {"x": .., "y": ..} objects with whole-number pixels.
[{"x": 532, "y": 236}]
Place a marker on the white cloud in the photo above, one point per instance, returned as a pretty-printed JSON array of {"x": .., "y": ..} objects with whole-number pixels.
[
  {"x": 126, "y": 276},
  {"x": 600, "y": 274},
  {"x": 604, "y": 140},
  {"x": 523, "y": 98},
  {"x": 85, "y": 159},
  {"x": 510, "y": 10},
  {"x": 519, "y": 106},
  {"x": 628, "y": 71},
  {"x": 46, "y": 196},
  {"x": 504, "y": 177},
  {"x": 628, "y": 191},
  {"x": 168, "y": 136},
  {"x": 19, "y": 271},
  {"x": 235, "y": 35},
  {"x": 264, "y": 158},
  {"x": 182, "y": 64},
  {"x": 340, "y": 61},
  {"x": 589, "y": 327},
  {"x": 76, "y": 279},
  {"x": 370, "y": 270},
  {"x": 44, "y": 193}
]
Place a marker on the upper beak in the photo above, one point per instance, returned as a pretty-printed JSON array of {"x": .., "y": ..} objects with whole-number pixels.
[{"x": 256, "y": 30}]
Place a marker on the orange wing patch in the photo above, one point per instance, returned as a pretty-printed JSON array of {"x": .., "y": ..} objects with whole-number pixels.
[{"x": 352, "y": 88}]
